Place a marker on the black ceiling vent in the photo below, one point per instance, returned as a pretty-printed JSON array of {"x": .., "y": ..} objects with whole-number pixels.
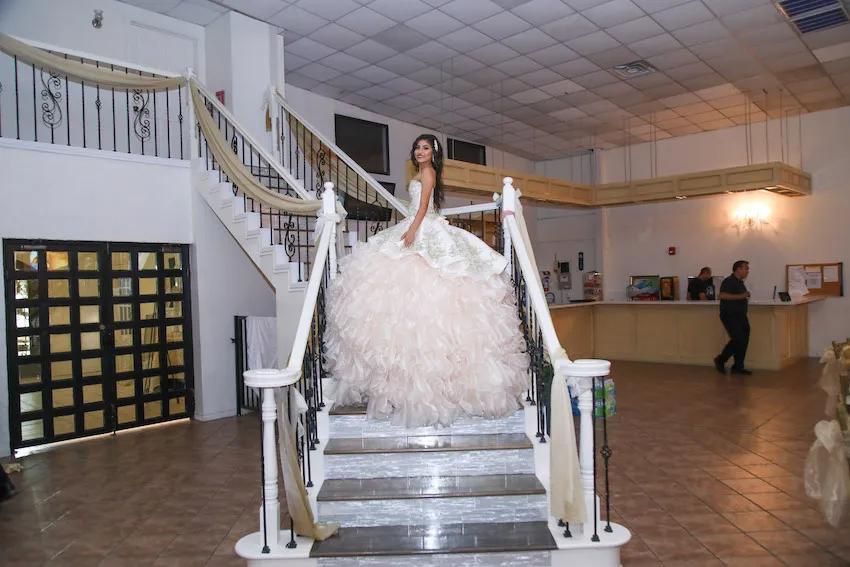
[
  {"x": 814, "y": 15},
  {"x": 634, "y": 69}
]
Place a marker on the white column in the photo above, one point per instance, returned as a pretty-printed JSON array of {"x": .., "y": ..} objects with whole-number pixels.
[
  {"x": 270, "y": 510},
  {"x": 190, "y": 112},
  {"x": 329, "y": 209},
  {"x": 274, "y": 116}
]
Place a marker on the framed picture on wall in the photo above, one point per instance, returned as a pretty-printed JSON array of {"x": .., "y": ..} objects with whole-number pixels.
[
  {"x": 361, "y": 210},
  {"x": 644, "y": 288}
]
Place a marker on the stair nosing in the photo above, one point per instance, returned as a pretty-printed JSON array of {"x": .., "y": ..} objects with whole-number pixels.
[
  {"x": 539, "y": 489},
  {"x": 526, "y": 444}
]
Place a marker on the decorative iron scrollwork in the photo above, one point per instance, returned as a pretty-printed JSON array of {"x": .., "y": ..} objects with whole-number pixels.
[
  {"x": 321, "y": 161},
  {"x": 141, "y": 123},
  {"x": 289, "y": 237},
  {"x": 234, "y": 144},
  {"x": 51, "y": 112}
]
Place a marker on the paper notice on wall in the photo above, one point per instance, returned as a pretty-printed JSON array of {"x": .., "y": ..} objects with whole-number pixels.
[
  {"x": 830, "y": 274},
  {"x": 797, "y": 280},
  {"x": 814, "y": 277}
]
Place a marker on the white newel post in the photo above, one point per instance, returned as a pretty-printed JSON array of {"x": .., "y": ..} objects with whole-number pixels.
[
  {"x": 193, "y": 133},
  {"x": 506, "y": 234},
  {"x": 329, "y": 212},
  {"x": 584, "y": 372},
  {"x": 268, "y": 380},
  {"x": 274, "y": 116}
]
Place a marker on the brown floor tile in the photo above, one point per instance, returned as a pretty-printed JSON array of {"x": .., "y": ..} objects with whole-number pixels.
[
  {"x": 750, "y": 485},
  {"x": 755, "y": 521},
  {"x": 218, "y": 561},
  {"x": 778, "y": 501},
  {"x": 695, "y": 562},
  {"x": 755, "y": 561},
  {"x": 728, "y": 472},
  {"x": 786, "y": 542},
  {"x": 635, "y": 550},
  {"x": 769, "y": 471},
  {"x": 706, "y": 524},
  {"x": 813, "y": 560},
  {"x": 732, "y": 545},
  {"x": 730, "y": 503}
]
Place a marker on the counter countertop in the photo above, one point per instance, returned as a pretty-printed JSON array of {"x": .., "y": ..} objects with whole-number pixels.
[{"x": 753, "y": 303}]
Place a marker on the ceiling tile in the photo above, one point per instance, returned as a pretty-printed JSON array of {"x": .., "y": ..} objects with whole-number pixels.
[
  {"x": 570, "y": 27},
  {"x": 576, "y": 68},
  {"x": 568, "y": 114},
  {"x": 711, "y": 30},
  {"x": 563, "y": 87},
  {"x": 486, "y": 77},
  {"x": 541, "y": 77},
  {"x": 680, "y": 100},
  {"x": 649, "y": 81},
  {"x": 457, "y": 86},
  {"x": 753, "y": 18},
  {"x": 309, "y": 49},
  {"x": 614, "y": 89},
  {"x": 630, "y": 99},
  {"x": 402, "y": 64},
  {"x": 802, "y": 74},
  {"x": 493, "y": 53},
  {"x": 260, "y": 9},
  {"x": 341, "y": 62},
  {"x": 707, "y": 116},
  {"x": 512, "y": 86},
  {"x": 673, "y": 59},
  {"x": 676, "y": 122},
  {"x": 434, "y": 53},
  {"x": 683, "y": 15},
  {"x": 655, "y": 45},
  {"x": 613, "y": 13},
  {"x": 474, "y": 111},
  {"x": 593, "y": 43},
  {"x": 370, "y": 51},
  {"x": 297, "y": 20},
  {"x": 399, "y": 11},
  {"x": 400, "y": 37},
  {"x": 716, "y": 48},
  {"x": 529, "y": 41},
  {"x": 336, "y": 36},
  {"x": 654, "y": 109},
  {"x": 726, "y": 7},
  {"x": 349, "y": 83},
  {"x": 330, "y": 9},
  {"x": 780, "y": 48},
  {"x": 802, "y": 87},
  {"x": 685, "y": 130},
  {"x": 691, "y": 109},
  {"x": 617, "y": 56},
  {"x": 403, "y": 101},
  {"x": 366, "y": 21},
  {"x": 374, "y": 74},
  {"x": 466, "y": 39},
  {"x": 652, "y": 6},
  {"x": 717, "y": 124},
  {"x": 502, "y": 25},
  {"x": 434, "y": 24},
  {"x": 827, "y": 37},
  {"x": 728, "y": 101},
  {"x": 553, "y": 55},
  {"x": 293, "y": 61},
  {"x": 597, "y": 79},
  {"x": 539, "y": 12},
  {"x": 790, "y": 62},
  {"x": 661, "y": 91},
  {"x": 690, "y": 71},
  {"x": 579, "y": 5},
  {"x": 581, "y": 97},
  {"x": 550, "y": 105},
  {"x": 635, "y": 30},
  {"x": 301, "y": 81},
  {"x": 735, "y": 67},
  {"x": 518, "y": 66},
  {"x": 769, "y": 34},
  {"x": 470, "y": 11}
]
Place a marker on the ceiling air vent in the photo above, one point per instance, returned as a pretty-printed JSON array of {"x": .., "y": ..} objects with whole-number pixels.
[
  {"x": 633, "y": 69},
  {"x": 814, "y": 15}
]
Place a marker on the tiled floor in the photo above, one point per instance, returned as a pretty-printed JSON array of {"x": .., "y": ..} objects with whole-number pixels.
[{"x": 707, "y": 472}]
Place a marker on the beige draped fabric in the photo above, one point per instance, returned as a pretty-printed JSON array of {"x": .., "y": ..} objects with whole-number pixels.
[
  {"x": 297, "y": 501},
  {"x": 236, "y": 170},
  {"x": 80, "y": 71}
]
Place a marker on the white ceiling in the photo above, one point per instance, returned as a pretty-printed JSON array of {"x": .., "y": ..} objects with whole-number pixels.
[{"x": 534, "y": 76}]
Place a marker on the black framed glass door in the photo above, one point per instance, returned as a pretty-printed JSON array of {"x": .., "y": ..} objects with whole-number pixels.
[{"x": 98, "y": 337}]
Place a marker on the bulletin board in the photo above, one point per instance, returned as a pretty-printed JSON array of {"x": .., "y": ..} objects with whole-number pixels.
[{"x": 822, "y": 280}]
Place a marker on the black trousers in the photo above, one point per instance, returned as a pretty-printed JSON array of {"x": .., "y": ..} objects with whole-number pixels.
[{"x": 737, "y": 325}]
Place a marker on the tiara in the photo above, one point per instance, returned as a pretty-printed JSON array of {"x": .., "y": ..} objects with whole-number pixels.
[{"x": 436, "y": 145}]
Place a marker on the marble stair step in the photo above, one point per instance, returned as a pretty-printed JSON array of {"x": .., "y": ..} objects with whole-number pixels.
[
  {"x": 348, "y": 421},
  {"x": 430, "y": 487},
  {"x": 353, "y": 409},
  {"x": 418, "y": 456},
  {"x": 464, "y": 538}
]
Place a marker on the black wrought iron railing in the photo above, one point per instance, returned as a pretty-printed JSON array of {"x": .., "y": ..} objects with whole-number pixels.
[
  {"x": 247, "y": 398},
  {"x": 38, "y": 105},
  {"x": 293, "y": 231}
]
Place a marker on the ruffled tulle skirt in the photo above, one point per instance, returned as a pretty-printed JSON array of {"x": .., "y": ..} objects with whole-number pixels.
[{"x": 422, "y": 345}]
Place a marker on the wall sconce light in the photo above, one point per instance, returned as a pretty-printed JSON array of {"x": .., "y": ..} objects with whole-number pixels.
[
  {"x": 751, "y": 217},
  {"x": 97, "y": 21}
]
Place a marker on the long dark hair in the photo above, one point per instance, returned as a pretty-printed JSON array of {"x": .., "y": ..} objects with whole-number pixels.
[{"x": 436, "y": 163}]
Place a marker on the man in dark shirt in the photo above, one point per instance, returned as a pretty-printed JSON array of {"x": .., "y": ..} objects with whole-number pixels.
[
  {"x": 698, "y": 286},
  {"x": 734, "y": 298}
]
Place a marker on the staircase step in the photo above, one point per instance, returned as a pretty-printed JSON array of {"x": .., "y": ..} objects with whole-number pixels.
[
  {"x": 357, "y": 425},
  {"x": 454, "y": 455},
  {"x": 352, "y": 409},
  {"x": 467, "y": 538},
  {"x": 350, "y": 489}
]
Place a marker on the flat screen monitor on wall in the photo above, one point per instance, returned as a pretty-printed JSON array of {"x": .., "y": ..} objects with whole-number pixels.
[
  {"x": 467, "y": 151},
  {"x": 366, "y": 142}
]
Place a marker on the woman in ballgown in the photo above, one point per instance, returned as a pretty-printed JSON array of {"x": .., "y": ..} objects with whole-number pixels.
[{"x": 421, "y": 320}]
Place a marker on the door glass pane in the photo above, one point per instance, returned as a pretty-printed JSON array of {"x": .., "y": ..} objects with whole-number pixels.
[
  {"x": 175, "y": 357},
  {"x": 60, "y": 343},
  {"x": 123, "y": 337},
  {"x": 124, "y": 363},
  {"x": 153, "y": 410},
  {"x": 87, "y": 261},
  {"x": 150, "y": 385},
  {"x": 150, "y": 360},
  {"x": 122, "y": 312},
  {"x": 147, "y": 261},
  {"x": 126, "y": 414},
  {"x": 61, "y": 370},
  {"x": 173, "y": 309},
  {"x": 126, "y": 388},
  {"x": 59, "y": 316},
  {"x": 89, "y": 288},
  {"x": 58, "y": 289},
  {"x": 148, "y": 311},
  {"x": 30, "y": 401},
  {"x": 89, "y": 314},
  {"x": 26, "y": 317},
  {"x": 63, "y": 397},
  {"x": 91, "y": 367},
  {"x": 122, "y": 287},
  {"x": 177, "y": 381},
  {"x": 150, "y": 335},
  {"x": 26, "y": 289},
  {"x": 174, "y": 333},
  {"x": 172, "y": 260},
  {"x": 176, "y": 406},
  {"x": 29, "y": 346},
  {"x": 173, "y": 285},
  {"x": 90, "y": 341},
  {"x": 93, "y": 420},
  {"x": 29, "y": 373},
  {"x": 147, "y": 286},
  {"x": 57, "y": 262},
  {"x": 32, "y": 430},
  {"x": 92, "y": 393},
  {"x": 121, "y": 261},
  {"x": 63, "y": 425},
  {"x": 26, "y": 260}
]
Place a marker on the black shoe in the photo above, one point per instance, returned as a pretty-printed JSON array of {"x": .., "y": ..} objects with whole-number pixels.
[
  {"x": 719, "y": 366},
  {"x": 741, "y": 372}
]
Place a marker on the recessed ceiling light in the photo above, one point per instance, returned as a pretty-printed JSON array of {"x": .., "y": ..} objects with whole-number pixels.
[{"x": 634, "y": 69}]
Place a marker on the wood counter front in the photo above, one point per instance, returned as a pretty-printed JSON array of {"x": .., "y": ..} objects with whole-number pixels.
[{"x": 681, "y": 332}]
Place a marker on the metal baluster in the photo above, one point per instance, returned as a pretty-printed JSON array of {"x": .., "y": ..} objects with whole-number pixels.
[
  {"x": 155, "y": 139},
  {"x": 114, "y": 123},
  {"x": 83, "y": 96},
  {"x": 127, "y": 72},
  {"x": 595, "y": 536},
  {"x": 606, "y": 455},
  {"x": 180, "y": 116},
  {"x": 98, "y": 105},
  {"x": 34, "y": 107}
]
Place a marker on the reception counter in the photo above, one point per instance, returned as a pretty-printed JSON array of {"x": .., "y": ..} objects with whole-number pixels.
[{"x": 681, "y": 332}]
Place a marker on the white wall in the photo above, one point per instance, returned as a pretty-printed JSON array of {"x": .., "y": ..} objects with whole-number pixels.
[
  {"x": 319, "y": 112},
  {"x": 225, "y": 283},
  {"x": 51, "y": 194},
  {"x": 800, "y": 230},
  {"x": 129, "y": 34}
]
